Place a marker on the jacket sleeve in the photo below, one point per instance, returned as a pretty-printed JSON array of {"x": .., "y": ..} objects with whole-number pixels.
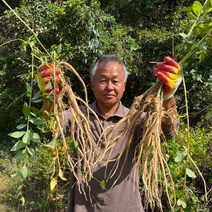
[{"x": 170, "y": 129}]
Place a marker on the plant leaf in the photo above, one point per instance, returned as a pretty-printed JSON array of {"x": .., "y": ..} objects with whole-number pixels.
[
  {"x": 26, "y": 138},
  {"x": 51, "y": 144},
  {"x": 103, "y": 185},
  {"x": 183, "y": 35},
  {"x": 18, "y": 192},
  {"x": 26, "y": 109},
  {"x": 185, "y": 9},
  {"x": 180, "y": 156},
  {"x": 207, "y": 6},
  {"x": 190, "y": 173},
  {"x": 181, "y": 203},
  {"x": 61, "y": 175},
  {"x": 22, "y": 199},
  {"x": 19, "y": 156},
  {"x": 53, "y": 183},
  {"x": 197, "y": 8},
  {"x": 191, "y": 15},
  {"x": 35, "y": 137},
  {"x": 24, "y": 171},
  {"x": 18, "y": 145},
  {"x": 17, "y": 134},
  {"x": 30, "y": 151},
  {"x": 21, "y": 126},
  {"x": 36, "y": 96},
  {"x": 59, "y": 48},
  {"x": 28, "y": 88}
]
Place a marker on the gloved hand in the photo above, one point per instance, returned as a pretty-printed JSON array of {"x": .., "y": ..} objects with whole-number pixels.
[
  {"x": 170, "y": 74},
  {"x": 45, "y": 78}
]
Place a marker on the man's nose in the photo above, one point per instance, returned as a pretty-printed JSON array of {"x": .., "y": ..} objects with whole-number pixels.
[{"x": 109, "y": 86}]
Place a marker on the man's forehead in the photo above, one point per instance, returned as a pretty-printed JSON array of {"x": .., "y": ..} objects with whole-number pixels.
[
  {"x": 104, "y": 73},
  {"x": 110, "y": 71}
]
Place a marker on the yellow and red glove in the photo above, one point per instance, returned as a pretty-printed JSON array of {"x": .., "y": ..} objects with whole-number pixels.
[
  {"x": 45, "y": 78},
  {"x": 170, "y": 74}
]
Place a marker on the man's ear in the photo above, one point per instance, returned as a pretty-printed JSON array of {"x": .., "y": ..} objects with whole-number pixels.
[
  {"x": 91, "y": 84},
  {"x": 125, "y": 86}
]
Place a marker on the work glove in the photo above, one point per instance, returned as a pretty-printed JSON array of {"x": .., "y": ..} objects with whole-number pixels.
[
  {"x": 170, "y": 74},
  {"x": 45, "y": 78}
]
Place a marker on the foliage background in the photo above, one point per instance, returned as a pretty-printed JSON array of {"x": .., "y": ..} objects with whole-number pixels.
[{"x": 81, "y": 31}]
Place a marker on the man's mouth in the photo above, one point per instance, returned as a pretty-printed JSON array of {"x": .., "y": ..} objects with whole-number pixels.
[{"x": 109, "y": 95}]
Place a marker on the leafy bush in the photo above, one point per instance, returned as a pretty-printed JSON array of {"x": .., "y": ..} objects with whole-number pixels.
[
  {"x": 189, "y": 185},
  {"x": 87, "y": 35}
]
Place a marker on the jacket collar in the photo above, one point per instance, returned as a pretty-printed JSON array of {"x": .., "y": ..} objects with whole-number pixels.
[{"x": 120, "y": 112}]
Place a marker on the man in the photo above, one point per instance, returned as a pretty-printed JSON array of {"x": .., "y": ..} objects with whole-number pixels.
[{"x": 108, "y": 82}]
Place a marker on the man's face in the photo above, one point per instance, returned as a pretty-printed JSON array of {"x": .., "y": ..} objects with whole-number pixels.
[{"x": 108, "y": 85}]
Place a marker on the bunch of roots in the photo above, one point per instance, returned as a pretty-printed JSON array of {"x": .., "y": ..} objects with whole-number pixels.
[{"x": 149, "y": 158}]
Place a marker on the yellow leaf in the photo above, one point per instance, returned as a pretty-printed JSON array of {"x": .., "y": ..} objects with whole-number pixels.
[
  {"x": 61, "y": 175},
  {"x": 53, "y": 183}
]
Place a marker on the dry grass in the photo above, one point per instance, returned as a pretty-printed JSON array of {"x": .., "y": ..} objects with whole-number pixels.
[{"x": 6, "y": 185}]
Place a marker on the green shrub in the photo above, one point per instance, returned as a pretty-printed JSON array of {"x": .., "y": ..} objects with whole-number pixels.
[{"x": 188, "y": 182}]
